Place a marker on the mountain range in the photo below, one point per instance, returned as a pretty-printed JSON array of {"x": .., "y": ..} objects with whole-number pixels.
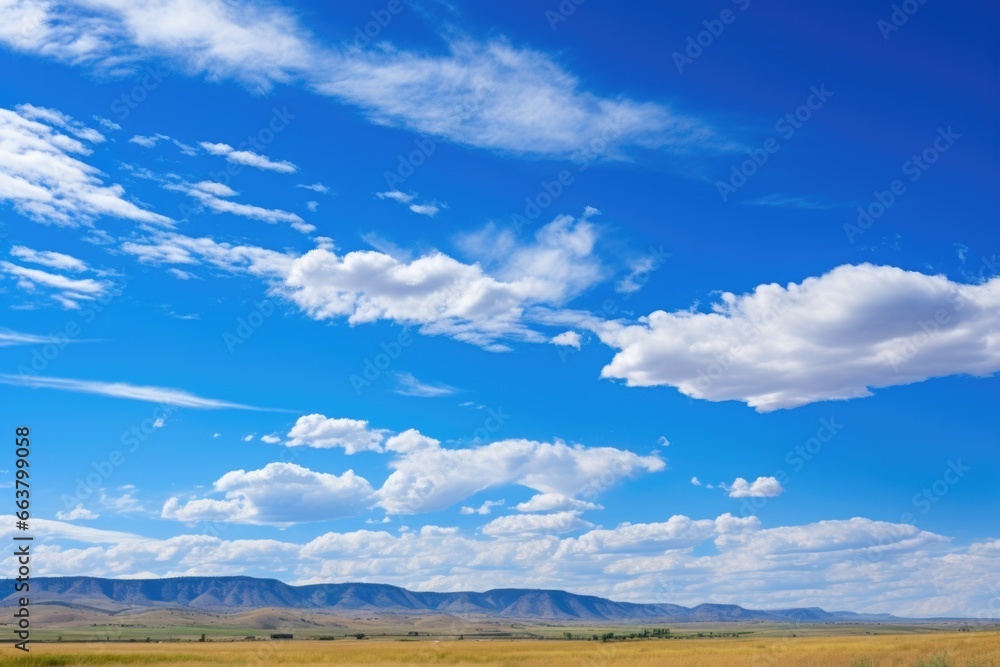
[{"x": 231, "y": 594}]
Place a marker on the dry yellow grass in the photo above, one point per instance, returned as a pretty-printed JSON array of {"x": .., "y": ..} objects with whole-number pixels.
[{"x": 977, "y": 649}]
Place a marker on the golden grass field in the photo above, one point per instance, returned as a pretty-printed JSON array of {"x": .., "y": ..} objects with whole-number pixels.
[{"x": 966, "y": 649}]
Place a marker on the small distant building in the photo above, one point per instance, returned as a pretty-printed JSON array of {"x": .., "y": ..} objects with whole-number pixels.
[{"x": 281, "y": 635}]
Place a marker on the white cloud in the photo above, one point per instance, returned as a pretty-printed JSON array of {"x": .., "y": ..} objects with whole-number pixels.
[
  {"x": 555, "y": 502},
  {"x": 313, "y": 206},
  {"x": 215, "y": 196},
  {"x": 639, "y": 270},
  {"x": 159, "y": 423},
  {"x": 67, "y": 291},
  {"x": 160, "y": 395},
  {"x": 249, "y": 437},
  {"x": 830, "y": 337},
  {"x": 762, "y": 487},
  {"x": 445, "y": 296},
  {"x": 408, "y": 385},
  {"x": 323, "y": 432},
  {"x": 409, "y": 200},
  {"x": 436, "y": 292},
  {"x": 148, "y": 142},
  {"x": 78, "y": 513},
  {"x": 410, "y": 440},
  {"x": 125, "y": 503},
  {"x": 43, "y": 180},
  {"x": 567, "y": 339},
  {"x": 280, "y": 494},
  {"x": 491, "y": 95},
  {"x": 696, "y": 481},
  {"x": 271, "y": 439},
  {"x": 662, "y": 441},
  {"x": 485, "y": 508},
  {"x": 108, "y": 124},
  {"x": 10, "y": 338},
  {"x": 249, "y": 158},
  {"x": 430, "y": 210},
  {"x": 527, "y": 524},
  {"x": 56, "y": 118},
  {"x": 433, "y": 478},
  {"x": 857, "y": 564},
  {"x": 182, "y": 275},
  {"x": 53, "y": 260},
  {"x": 316, "y": 187}
]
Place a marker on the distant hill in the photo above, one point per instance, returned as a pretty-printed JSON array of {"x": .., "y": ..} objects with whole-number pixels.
[{"x": 246, "y": 593}]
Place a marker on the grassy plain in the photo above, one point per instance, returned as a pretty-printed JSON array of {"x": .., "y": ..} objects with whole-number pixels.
[{"x": 949, "y": 649}]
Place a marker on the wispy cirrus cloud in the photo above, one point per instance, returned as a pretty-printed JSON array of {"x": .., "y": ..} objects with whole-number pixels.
[
  {"x": 249, "y": 158},
  {"x": 150, "y": 394},
  {"x": 408, "y": 385},
  {"x": 487, "y": 94},
  {"x": 42, "y": 172}
]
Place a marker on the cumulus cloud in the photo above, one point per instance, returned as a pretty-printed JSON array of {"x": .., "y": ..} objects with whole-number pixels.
[
  {"x": 526, "y": 524},
  {"x": 249, "y": 158},
  {"x": 553, "y": 502},
  {"x": 78, "y": 513},
  {"x": 762, "y": 487},
  {"x": 567, "y": 339},
  {"x": 857, "y": 564},
  {"x": 485, "y": 508},
  {"x": 829, "y": 337},
  {"x": 410, "y": 440},
  {"x": 435, "y": 292},
  {"x": 321, "y": 432},
  {"x": 271, "y": 439},
  {"x": 280, "y": 494},
  {"x": 434, "y": 478},
  {"x": 43, "y": 175}
]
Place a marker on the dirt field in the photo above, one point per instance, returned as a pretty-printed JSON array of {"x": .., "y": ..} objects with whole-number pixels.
[{"x": 965, "y": 649}]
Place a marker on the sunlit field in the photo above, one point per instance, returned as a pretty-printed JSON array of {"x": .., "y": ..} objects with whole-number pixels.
[{"x": 974, "y": 649}]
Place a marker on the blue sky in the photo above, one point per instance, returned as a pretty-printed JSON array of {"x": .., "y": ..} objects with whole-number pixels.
[{"x": 620, "y": 300}]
